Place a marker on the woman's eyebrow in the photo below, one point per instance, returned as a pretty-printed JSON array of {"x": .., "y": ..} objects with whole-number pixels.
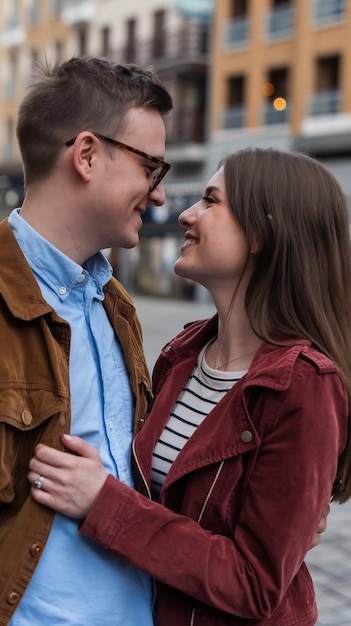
[{"x": 210, "y": 189}]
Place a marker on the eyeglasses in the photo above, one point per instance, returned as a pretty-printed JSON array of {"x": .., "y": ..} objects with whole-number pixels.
[{"x": 160, "y": 170}]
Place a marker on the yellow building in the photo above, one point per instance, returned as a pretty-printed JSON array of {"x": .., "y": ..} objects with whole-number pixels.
[{"x": 281, "y": 77}]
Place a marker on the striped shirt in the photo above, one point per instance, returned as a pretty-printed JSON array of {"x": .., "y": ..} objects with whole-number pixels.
[{"x": 204, "y": 389}]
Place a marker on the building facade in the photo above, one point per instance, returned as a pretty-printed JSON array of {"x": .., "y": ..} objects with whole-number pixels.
[
  {"x": 281, "y": 77},
  {"x": 269, "y": 73},
  {"x": 170, "y": 35}
]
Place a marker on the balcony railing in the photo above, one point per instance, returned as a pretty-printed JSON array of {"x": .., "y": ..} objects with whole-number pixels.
[
  {"x": 271, "y": 115},
  {"x": 12, "y": 34},
  {"x": 185, "y": 125},
  {"x": 236, "y": 32},
  {"x": 234, "y": 117},
  {"x": 280, "y": 22},
  {"x": 78, "y": 11},
  {"x": 190, "y": 42},
  {"x": 326, "y": 102},
  {"x": 326, "y": 11}
]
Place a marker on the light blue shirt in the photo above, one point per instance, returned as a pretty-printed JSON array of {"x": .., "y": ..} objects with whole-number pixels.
[{"x": 76, "y": 582}]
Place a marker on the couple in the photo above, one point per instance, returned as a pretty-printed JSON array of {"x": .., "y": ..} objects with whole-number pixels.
[{"x": 247, "y": 437}]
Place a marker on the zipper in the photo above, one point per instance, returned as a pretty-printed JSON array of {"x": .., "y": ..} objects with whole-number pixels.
[
  {"x": 210, "y": 492},
  {"x": 192, "y": 619},
  {"x": 141, "y": 472}
]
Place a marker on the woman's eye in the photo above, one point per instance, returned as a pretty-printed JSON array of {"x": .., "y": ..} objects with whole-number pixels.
[{"x": 208, "y": 199}]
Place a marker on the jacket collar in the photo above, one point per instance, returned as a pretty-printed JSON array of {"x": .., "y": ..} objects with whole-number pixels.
[
  {"x": 21, "y": 292},
  {"x": 271, "y": 367},
  {"x": 18, "y": 286}
]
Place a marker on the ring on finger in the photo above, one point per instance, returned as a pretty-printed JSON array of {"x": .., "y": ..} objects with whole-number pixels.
[{"x": 38, "y": 483}]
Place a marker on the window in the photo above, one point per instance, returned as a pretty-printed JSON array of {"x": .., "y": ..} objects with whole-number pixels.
[
  {"x": 130, "y": 53},
  {"x": 12, "y": 75},
  {"x": 82, "y": 41},
  {"x": 327, "y": 97},
  {"x": 56, "y": 7},
  {"x": 105, "y": 41},
  {"x": 34, "y": 57},
  {"x": 275, "y": 90},
  {"x": 58, "y": 51},
  {"x": 9, "y": 140},
  {"x": 159, "y": 34},
  {"x": 326, "y": 11},
  {"x": 234, "y": 113},
  {"x": 236, "y": 30},
  {"x": 238, "y": 8},
  {"x": 34, "y": 13},
  {"x": 280, "y": 20}
]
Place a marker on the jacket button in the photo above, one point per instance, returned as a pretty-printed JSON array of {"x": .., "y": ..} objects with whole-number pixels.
[
  {"x": 62, "y": 420},
  {"x": 167, "y": 348},
  {"x": 246, "y": 436},
  {"x": 36, "y": 549},
  {"x": 13, "y": 597},
  {"x": 27, "y": 417}
]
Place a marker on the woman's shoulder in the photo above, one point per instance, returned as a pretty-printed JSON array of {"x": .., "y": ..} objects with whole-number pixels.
[{"x": 279, "y": 366}]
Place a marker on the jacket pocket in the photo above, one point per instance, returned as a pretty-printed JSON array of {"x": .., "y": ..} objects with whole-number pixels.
[{"x": 27, "y": 415}]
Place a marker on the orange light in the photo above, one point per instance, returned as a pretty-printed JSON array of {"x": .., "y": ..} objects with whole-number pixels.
[
  {"x": 268, "y": 89},
  {"x": 279, "y": 104}
]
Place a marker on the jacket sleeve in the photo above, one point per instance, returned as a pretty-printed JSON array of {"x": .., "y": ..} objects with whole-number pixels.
[{"x": 248, "y": 573}]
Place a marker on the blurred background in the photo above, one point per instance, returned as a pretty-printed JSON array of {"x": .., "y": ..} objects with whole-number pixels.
[{"x": 269, "y": 73}]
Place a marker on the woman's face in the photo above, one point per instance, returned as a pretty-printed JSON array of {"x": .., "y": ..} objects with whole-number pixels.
[{"x": 215, "y": 249}]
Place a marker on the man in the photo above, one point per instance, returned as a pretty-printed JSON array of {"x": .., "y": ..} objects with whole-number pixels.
[{"x": 92, "y": 139}]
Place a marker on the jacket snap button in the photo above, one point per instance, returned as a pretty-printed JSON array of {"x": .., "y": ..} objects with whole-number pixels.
[
  {"x": 36, "y": 549},
  {"x": 167, "y": 348},
  {"x": 13, "y": 597},
  {"x": 246, "y": 436},
  {"x": 27, "y": 417}
]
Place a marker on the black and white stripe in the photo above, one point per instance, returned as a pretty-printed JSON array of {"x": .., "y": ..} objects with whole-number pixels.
[{"x": 204, "y": 389}]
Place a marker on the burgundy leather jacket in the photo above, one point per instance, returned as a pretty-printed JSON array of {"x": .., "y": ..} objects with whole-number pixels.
[{"x": 244, "y": 497}]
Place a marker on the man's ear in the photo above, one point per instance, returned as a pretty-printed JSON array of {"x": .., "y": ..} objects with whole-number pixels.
[{"x": 83, "y": 155}]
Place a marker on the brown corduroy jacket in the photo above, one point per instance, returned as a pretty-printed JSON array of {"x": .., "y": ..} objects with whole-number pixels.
[{"x": 35, "y": 404}]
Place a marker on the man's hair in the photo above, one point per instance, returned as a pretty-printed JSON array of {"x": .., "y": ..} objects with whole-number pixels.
[
  {"x": 295, "y": 209},
  {"x": 81, "y": 94}
]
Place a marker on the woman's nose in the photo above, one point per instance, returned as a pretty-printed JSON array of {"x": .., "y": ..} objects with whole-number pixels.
[{"x": 187, "y": 216}]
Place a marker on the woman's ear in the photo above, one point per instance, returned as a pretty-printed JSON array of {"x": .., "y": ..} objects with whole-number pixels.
[{"x": 255, "y": 245}]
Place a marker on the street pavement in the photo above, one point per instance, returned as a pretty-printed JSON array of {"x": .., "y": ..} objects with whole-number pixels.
[{"x": 330, "y": 562}]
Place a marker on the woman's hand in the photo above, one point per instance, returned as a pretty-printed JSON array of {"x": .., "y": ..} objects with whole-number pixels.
[
  {"x": 67, "y": 483},
  {"x": 322, "y": 526}
]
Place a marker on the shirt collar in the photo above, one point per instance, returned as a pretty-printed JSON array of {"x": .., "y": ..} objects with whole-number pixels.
[{"x": 55, "y": 268}]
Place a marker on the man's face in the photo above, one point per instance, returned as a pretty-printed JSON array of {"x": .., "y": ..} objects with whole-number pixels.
[{"x": 121, "y": 187}]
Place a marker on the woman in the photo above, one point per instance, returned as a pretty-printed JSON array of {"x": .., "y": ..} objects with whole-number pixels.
[{"x": 247, "y": 439}]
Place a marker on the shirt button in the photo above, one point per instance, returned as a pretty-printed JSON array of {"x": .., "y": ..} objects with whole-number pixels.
[
  {"x": 81, "y": 278},
  {"x": 123, "y": 477},
  {"x": 62, "y": 291},
  {"x": 62, "y": 420},
  {"x": 246, "y": 436}
]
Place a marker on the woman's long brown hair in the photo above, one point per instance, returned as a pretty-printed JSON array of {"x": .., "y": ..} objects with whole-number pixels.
[{"x": 301, "y": 285}]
